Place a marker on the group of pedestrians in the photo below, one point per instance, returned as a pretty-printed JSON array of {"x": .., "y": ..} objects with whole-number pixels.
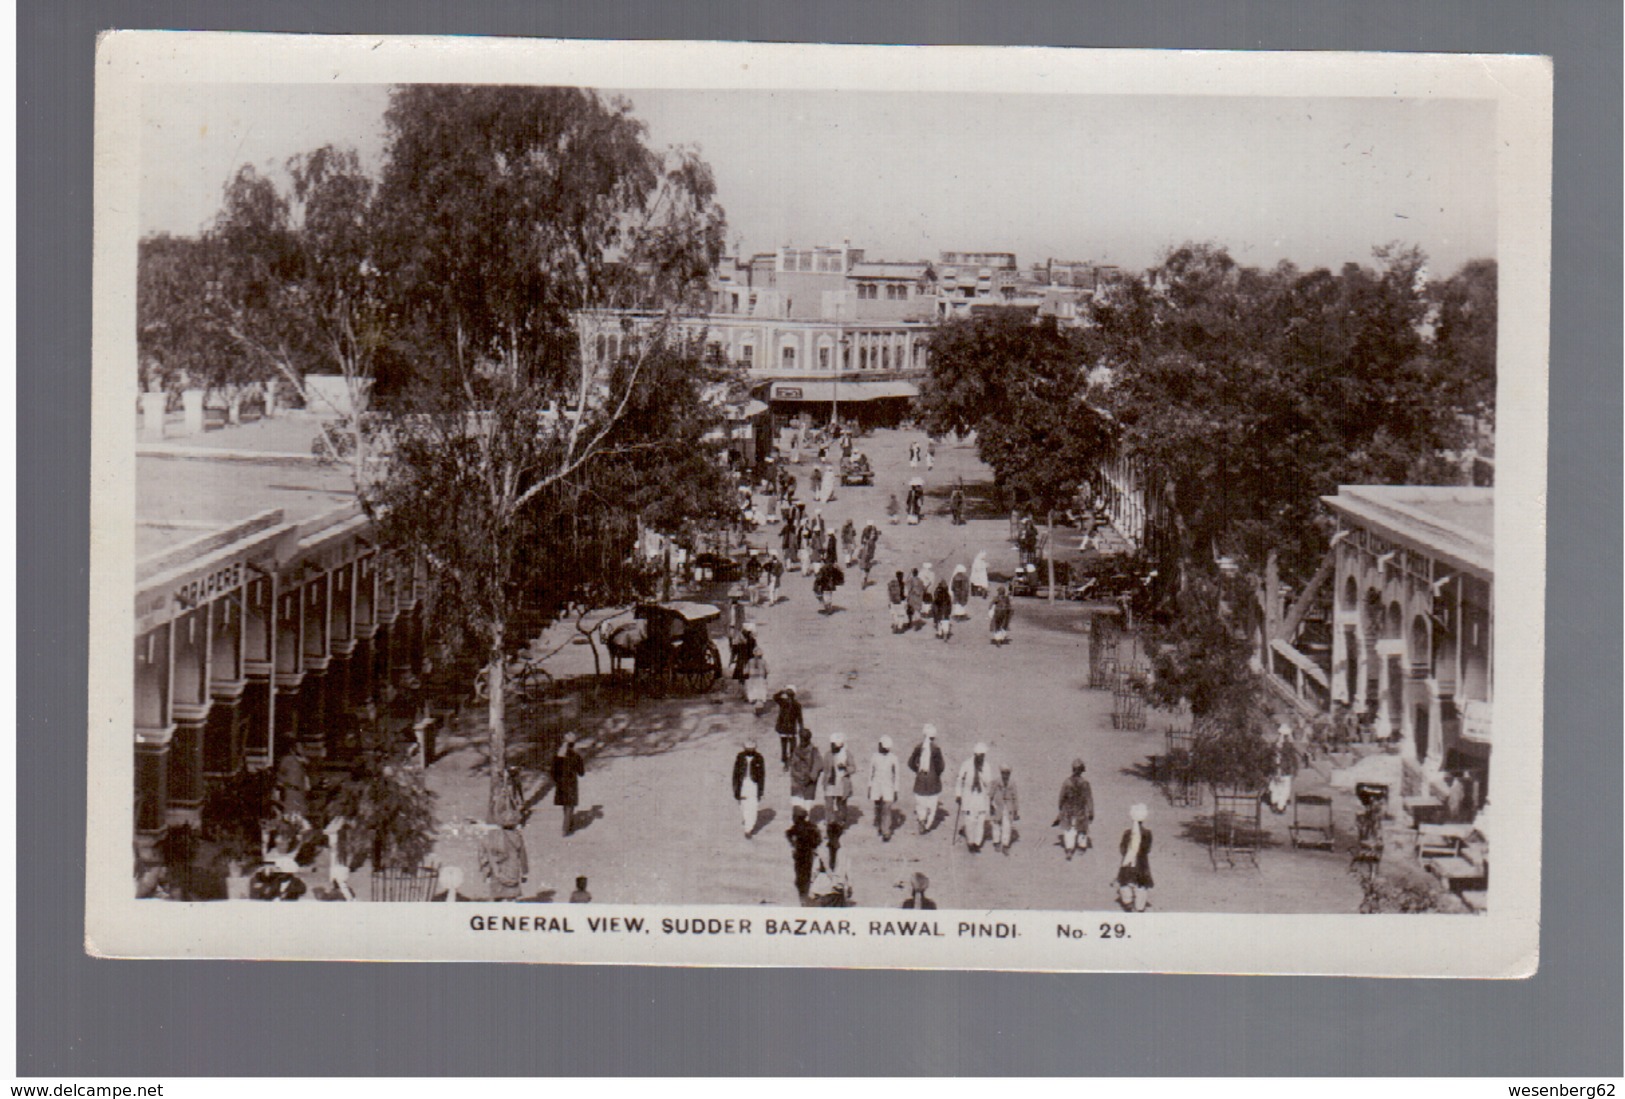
[
  {"x": 763, "y": 575},
  {"x": 986, "y": 801},
  {"x": 503, "y": 856},
  {"x": 921, "y": 595}
]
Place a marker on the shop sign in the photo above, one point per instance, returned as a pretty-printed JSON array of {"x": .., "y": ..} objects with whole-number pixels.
[
  {"x": 787, "y": 392},
  {"x": 193, "y": 592}
]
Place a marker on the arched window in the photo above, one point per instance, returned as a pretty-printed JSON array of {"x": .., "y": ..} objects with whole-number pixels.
[{"x": 1418, "y": 648}]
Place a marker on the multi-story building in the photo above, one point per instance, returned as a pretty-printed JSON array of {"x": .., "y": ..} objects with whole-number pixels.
[
  {"x": 820, "y": 331},
  {"x": 265, "y": 614},
  {"x": 1414, "y": 621}
]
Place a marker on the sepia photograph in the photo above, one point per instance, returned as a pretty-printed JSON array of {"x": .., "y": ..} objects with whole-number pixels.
[{"x": 1041, "y": 503}]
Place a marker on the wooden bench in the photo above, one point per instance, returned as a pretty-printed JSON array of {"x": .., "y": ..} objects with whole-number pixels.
[
  {"x": 1461, "y": 872},
  {"x": 1435, "y": 841}
]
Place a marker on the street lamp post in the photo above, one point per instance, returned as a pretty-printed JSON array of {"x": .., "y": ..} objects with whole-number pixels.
[{"x": 835, "y": 385}]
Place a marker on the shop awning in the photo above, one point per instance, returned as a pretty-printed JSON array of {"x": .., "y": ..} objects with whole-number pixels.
[{"x": 824, "y": 392}]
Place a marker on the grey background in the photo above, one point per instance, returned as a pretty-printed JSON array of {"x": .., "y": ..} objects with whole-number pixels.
[{"x": 77, "y": 1016}]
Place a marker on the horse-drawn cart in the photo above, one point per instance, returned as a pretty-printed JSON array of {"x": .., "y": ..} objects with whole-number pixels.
[{"x": 670, "y": 645}]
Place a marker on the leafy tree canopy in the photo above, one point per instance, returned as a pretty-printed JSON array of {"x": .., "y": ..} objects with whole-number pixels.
[
  {"x": 1023, "y": 388},
  {"x": 1252, "y": 393},
  {"x": 507, "y": 210}
]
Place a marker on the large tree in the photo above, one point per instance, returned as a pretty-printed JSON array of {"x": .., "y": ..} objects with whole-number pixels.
[
  {"x": 512, "y": 219},
  {"x": 1252, "y": 393},
  {"x": 299, "y": 290},
  {"x": 177, "y": 338},
  {"x": 1201, "y": 660},
  {"x": 1022, "y": 386},
  {"x": 1465, "y": 332}
]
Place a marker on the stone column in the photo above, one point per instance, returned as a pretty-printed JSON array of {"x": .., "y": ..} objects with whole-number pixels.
[
  {"x": 189, "y": 711},
  {"x": 222, "y": 736},
  {"x": 154, "y": 406},
  {"x": 289, "y": 676},
  {"x": 314, "y": 730},
  {"x": 186, "y": 764},
  {"x": 259, "y": 667},
  {"x": 151, "y": 789},
  {"x": 192, "y": 407},
  {"x": 153, "y": 733}
]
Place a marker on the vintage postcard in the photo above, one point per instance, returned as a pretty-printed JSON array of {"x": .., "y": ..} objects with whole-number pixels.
[{"x": 789, "y": 505}]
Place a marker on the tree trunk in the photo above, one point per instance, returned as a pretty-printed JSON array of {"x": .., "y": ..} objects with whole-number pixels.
[
  {"x": 497, "y": 717},
  {"x": 1049, "y": 537},
  {"x": 592, "y": 643},
  {"x": 1295, "y": 616},
  {"x": 1272, "y": 596}
]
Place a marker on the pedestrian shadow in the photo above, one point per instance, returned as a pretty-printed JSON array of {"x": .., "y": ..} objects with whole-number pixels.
[
  {"x": 543, "y": 896},
  {"x": 764, "y": 817},
  {"x": 1141, "y": 770},
  {"x": 895, "y": 819},
  {"x": 580, "y": 822},
  {"x": 1200, "y": 830}
]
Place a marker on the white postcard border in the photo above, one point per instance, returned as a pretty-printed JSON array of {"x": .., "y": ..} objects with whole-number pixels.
[{"x": 1501, "y": 943}]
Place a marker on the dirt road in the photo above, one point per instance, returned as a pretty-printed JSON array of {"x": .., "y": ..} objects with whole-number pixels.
[{"x": 658, "y": 822}]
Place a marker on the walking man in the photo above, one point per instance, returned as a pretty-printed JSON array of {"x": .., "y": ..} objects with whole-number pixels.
[
  {"x": 756, "y": 682},
  {"x": 928, "y": 765},
  {"x": 973, "y": 795},
  {"x": 959, "y": 591},
  {"x": 867, "y": 542},
  {"x": 884, "y": 778},
  {"x": 504, "y": 861},
  {"x": 838, "y": 780},
  {"x": 772, "y": 573},
  {"x": 1006, "y": 810},
  {"x": 806, "y": 765},
  {"x": 753, "y": 579},
  {"x": 568, "y": 767},
  {"x": 978, "y": 574},
  {"x": 896, "y": 596},
  {"x": 804, "y": 840},
  {"x": 915, "y": 597},
  {"x": 1077, "y": 810},
  {"x": 789, "y": 724},
  {"x": 741, "y": 648},
  {"x": 749, "y": 780},
  {"x": 998, "y": 616},
  {"x": 1134, "y": 866},
  {"x": 942, "y": 611}
]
